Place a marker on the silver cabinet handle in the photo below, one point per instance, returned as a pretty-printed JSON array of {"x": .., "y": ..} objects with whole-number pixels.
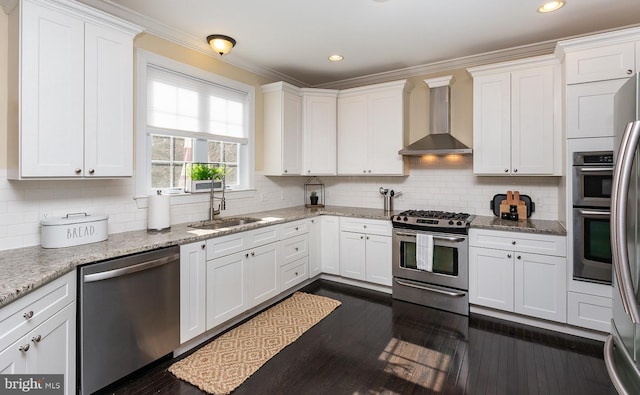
[
  {"x": 130, "y": 269},
  {"x": 28, "y": 314},
  {"x": 622, "y": 176},
  {"x": 36, "y": 339},
  {"x": 629, "y": 72},
  {"x": 24, "y": 348}
]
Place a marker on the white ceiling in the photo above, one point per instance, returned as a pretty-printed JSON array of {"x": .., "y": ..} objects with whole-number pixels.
[{"x": 292, "y": 39}]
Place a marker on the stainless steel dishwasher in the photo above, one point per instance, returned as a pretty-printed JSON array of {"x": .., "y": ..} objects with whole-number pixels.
[{"x": 129, "y": 315}]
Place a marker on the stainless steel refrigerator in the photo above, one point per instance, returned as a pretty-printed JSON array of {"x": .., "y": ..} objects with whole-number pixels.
[{"x": 622, "y": 347}]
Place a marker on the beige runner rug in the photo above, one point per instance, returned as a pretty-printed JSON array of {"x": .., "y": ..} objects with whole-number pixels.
[{"x": 222, "y": 365}]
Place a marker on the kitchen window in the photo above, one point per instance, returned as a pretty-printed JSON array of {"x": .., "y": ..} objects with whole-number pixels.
[{"x": 187, "y": 115}]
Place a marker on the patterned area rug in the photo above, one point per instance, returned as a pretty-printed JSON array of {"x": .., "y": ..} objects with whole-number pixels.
[{"x": 222, "y": 365}]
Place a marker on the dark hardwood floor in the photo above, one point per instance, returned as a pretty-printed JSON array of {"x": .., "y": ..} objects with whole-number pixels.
[{"x": 373, "y": 344}]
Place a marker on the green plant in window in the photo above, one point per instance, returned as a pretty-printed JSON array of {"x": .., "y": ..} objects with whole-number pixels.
[{"x": 205, "y": 171}]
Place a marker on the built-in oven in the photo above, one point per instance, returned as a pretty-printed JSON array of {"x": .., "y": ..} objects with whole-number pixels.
[
  {"x": 592, "y": 178},
  {"x": 592, "y": 245},
  {"x": 445, "y": 283},
  {"x": 591, "y": 183}
]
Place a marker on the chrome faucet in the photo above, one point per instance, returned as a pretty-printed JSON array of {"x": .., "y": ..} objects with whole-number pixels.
[{"x": 212, "y": 198}]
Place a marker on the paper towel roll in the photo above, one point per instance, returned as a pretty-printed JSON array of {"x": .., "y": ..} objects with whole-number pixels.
[{"x": 159, "y": 212}]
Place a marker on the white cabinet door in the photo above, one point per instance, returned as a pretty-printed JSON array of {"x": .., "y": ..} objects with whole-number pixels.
[
  {"x": 532, "y": 121},
  {"x": 319, "y": 131},
  {"x": 12, "y": 359},
  {"x": 491, "y": 281},
  {"x": 378, "y": 259},
  {"x": 193, "y": 290},
  {"x": 315, "y": 246},
  {"x": 385, "y": 137},
  {"x": 264, "y": 273},
  {"x": 606, "y": 62},
  {"x": 53, "y": 347},
  {"x": 51, "y": 96},
  {"x": 353, "y": 126},
  {"x": 590, "y": 108},
  {"x": 291, "y": 134},
  {"x": 352, "y": 255},
  {"x": 492, "y": 124},
  {"x": 540, "y": 286},
  {"x": 227, "y": 288},
  {"x": 282, "y": 129},
  {"x": 330, "y": 244},
  {"x": 108, "y": 101}
]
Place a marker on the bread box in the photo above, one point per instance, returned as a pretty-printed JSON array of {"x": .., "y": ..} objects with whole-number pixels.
[{"x": 73, "y": 230}]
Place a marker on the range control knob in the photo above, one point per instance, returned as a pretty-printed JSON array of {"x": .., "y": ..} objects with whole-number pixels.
[
  {"x": 459, "y": 223},
  {"x": 405, "y": 219},
  {"x": 450, "y": 222}
]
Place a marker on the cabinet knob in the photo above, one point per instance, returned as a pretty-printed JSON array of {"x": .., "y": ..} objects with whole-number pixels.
[
  {"x": 203, "y": 246},
  {"x": 513, "y": 242},
  {"x": 297, "y": 248},
  {"x": 508, "y": 255},
  {"x": 364, "y": 226},
  {"x": 285, "y": 171},
  {"x": 24, "y": 348},
  {"x": 28, "y": 314},
  {"x": 91, "y": 171},
  {"x": 296, "y": 228},
  {"x": 369, "y": 171},
  {"x": 364, "y": 171},
  {"x": 629, "y": 72},
  {"x": 367, "y": 237},
  {"x": 515, "y": 170},
  {"x": 296, "y": 273},
  {"x": 36, "y": 339},
  {"x": 361, "y": 237},
  {"x": 253, "y": 254},
  {"x": 519, "y": 257},
  {"x": 78, "y": 171},
  {"x": 308, "y": 171},
  {"x": 506, "y": 170},
  {"x": 246, "y": 255}
]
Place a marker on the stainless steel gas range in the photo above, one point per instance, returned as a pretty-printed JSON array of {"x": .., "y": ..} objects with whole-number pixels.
[{"x": 431, "y": 259}]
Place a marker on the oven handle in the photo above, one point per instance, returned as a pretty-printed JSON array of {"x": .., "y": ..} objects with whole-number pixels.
[
  {"x": 595, "y": 169},
  {"x": 594, "y": 213},
  {"x": 443, "y": 238},
  {"x": 448, "y": 293}
]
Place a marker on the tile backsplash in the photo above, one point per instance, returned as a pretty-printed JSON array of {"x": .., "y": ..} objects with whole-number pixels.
[{"x": 438, "y": 184}]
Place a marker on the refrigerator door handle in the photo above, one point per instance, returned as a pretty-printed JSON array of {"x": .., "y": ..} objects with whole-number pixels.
[
  {"x": 619, "y": 194},
  {"x": 614, "y": 340}
]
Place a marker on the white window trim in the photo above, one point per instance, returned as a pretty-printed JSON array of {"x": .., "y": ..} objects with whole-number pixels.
[{"x": 143, "y": 152}]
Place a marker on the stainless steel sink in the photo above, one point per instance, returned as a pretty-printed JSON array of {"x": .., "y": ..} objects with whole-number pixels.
[{"x": 224, "y": 223}]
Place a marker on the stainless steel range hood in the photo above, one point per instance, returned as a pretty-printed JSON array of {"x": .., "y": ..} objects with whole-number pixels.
[{"x": 439, "y": 141}]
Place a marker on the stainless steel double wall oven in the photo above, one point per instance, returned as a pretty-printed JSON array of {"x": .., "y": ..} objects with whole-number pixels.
[
  {"x": 591, "y": 183},
  {"x": 446, "y": 284}
]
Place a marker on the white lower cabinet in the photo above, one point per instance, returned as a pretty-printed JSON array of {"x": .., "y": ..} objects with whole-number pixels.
[
  {"x": 330, "y": 244},
  {"x": 365, "y": 250},
  {"x": 193, "y": 286},
  {"x": 504, "y": 274},
  {"x": 589, "y": 311},
  {"x": 264, "y": 274},
  {"x": 315, "y": 247},
  {"x": 227, "y": 288},
  {"x": 39, "y": 332}
]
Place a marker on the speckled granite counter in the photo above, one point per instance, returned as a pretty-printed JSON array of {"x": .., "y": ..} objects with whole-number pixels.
[
  {"x": 24, "y": 269},
  {"x": 530, "y": 225}
]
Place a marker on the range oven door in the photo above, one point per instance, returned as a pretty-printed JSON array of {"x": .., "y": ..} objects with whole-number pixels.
[
  {"x": 592, "y": 245},
  {"x": 446, "y": 287}
]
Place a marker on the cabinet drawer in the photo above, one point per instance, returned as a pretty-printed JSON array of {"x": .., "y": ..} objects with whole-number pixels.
[
  {"x": 294, "y": 248},
  {"x": 370, "y": 226},
  {"x": 262, "y": 236},
  {"x": 294, "y": 273},
  {"x": 39, "y": 305},
  {"x": 295, "y": 228},
  {"x": 225, "y": 245},
  {"x": 519, "y": 241},
  {"x": 602, "y": 63},
  {"x": 589, "y": 311}
]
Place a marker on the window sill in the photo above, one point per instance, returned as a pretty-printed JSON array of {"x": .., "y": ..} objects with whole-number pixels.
[{"x": 190, "y": 198}]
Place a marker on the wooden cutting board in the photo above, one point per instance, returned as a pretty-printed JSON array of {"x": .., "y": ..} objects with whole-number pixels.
[{"x": 513, "y": 207}]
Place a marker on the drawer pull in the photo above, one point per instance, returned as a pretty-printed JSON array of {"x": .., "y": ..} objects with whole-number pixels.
[
  {"x": 203, "y": 246},
  {"x": 253, "y": 254},
  {"x": 296, "y": 228},
  {"x": 28, "y": 314},
  {"x": 246, "y": 255},
  {"x": 296, "y": 273},
  {"x": 508, "y": 255},
  {"x": 297, "y": 248},
  {"x": 24, "y": 348},
  {"x": 629, "y": 72},
  {"x": 519, "y": 257},
  {"x": 513, "y": 242},
  {"x": 36, "y": 339}
]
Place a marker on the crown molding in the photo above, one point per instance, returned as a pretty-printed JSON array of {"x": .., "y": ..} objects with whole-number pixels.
[{"x": 8, "y": 5}]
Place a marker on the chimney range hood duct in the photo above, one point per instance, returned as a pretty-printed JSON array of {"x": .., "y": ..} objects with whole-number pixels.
[{"x": 439, "y": 141}]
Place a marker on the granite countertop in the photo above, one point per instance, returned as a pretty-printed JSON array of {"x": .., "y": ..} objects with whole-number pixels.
[
  {"x": 530, "y": 225},
  {"x": 24, "y": 269}
]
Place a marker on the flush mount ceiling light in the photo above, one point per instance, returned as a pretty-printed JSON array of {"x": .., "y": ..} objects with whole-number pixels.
[
  {"x": 221, "y": 44},
  {"x": 551, "y": 6},
  {"x": 336, "y": 58}
]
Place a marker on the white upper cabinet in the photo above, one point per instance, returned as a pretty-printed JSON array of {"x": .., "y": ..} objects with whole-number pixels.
[
  {"x": 601, "y": 63},
  {"x": 319, "y": 131},
  {"x": 72, "y": 81},
  {"x": 282, "y": 129},
  {"x": 517, "y": 118},
  {"x": 372, "y": 128}
]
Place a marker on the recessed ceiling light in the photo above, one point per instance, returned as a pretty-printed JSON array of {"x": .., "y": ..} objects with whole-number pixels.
[
  {"x": 551, "y": 6},
  {"x": 336, "y": 58}
]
